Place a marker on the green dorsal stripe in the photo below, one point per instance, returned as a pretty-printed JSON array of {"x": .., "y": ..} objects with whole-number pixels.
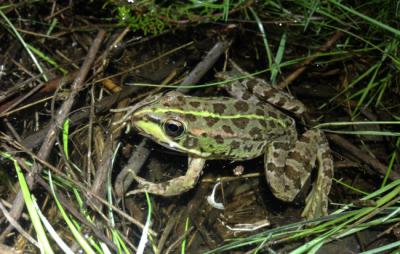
[{"x": 210, "y": 114}]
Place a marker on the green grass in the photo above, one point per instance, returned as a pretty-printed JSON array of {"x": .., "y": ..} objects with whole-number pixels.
[
  {"x": 152, "y": 18},
  {"x": 341, "y": 223}
]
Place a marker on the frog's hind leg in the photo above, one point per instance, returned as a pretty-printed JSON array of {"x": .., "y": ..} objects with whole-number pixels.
[
  {"x": 174, "y": 186},
  {"x": 289, "y": 166},
  {"x": 317, "y": 199}
]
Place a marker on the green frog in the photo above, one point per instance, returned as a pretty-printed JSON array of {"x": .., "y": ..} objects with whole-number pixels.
[{"x": 241, "y": 128}]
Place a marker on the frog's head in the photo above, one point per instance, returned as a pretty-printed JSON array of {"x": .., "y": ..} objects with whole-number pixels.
[{"x": 165, "y": 120}]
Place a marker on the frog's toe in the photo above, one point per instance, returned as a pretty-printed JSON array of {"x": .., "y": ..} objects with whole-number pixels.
[
  {"x": 316, "y": 205},
  {"x": 144, "y": 186},
  {"x": 134, "y": 192},
  {"x": 150, "y": 187},
  {"x": 140, "y": 180}
]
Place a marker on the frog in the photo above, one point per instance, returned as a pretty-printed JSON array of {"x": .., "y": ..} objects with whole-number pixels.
[{"x": 255, "y": 120}]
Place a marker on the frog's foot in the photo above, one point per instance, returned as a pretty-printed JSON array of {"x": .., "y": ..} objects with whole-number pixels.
[
  {"x": 174, "y": 186},
  {"x": 316, "y": 205},
  {"x": 288, "y": 168},
  {"x": 317, "y": 199}
]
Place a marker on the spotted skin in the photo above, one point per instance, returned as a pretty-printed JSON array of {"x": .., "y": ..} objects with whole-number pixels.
[
  {"x": 257, "y": 89},
  {"x": 250, "y": 127},
  {"x": 289, "y": 161},
  {"x": 237, "y": 129}
]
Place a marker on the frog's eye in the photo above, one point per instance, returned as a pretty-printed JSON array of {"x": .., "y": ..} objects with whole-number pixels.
[{"x": 173, "y": 128}]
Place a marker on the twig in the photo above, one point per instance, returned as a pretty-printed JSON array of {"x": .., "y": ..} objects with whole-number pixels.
[
  {"x": 53, "y": 131},
  {"x": 179, "y": 240},
  {"x": 17, "y": 226},
  {"x": 294, "y": 75},
  {"x": 380, "y": 167},
  {"x": 201, "y": 68},
  {"x": 35, "y": 138},
  {"x": 78, "y": 184},
  {"x": 104, "y": 163},
  {"x": 374, "y": 212},
  {"x": 98, "y": 232},
  {"x": 167, "y": 230},
  {"x": 44, "y": 88}
]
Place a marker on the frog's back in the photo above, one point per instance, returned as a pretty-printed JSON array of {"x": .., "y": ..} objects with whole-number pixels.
[{"x": 225, "y": 128}]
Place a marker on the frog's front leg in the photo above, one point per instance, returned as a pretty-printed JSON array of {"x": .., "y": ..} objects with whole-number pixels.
[
  {"x": 288, "y": 166},
  {"x": 174, "y": 186}
]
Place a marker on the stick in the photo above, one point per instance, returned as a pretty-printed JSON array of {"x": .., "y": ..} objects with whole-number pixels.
[{"x": 53, "y": 131}]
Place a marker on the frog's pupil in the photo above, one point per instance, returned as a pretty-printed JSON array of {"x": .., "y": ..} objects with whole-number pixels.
[{"x": 173, "y": 128}]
